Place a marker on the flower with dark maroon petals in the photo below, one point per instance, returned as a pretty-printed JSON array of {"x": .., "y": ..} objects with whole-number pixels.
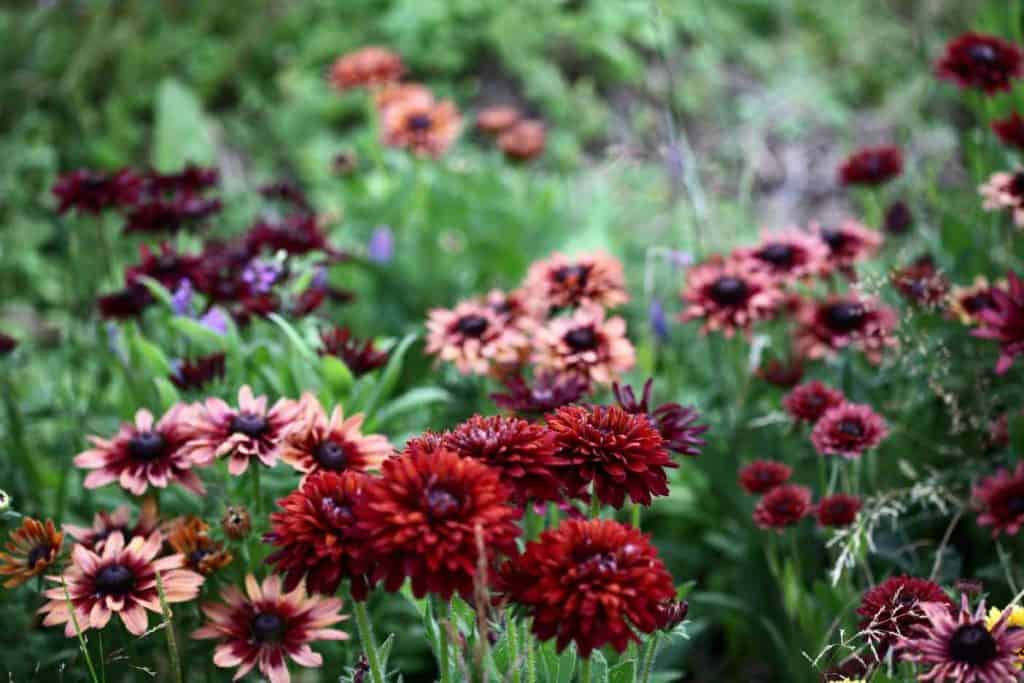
[
  {"x": 892, "y": 609},
  {"x": 427, "y": 128},
  {"x": 7, "y": 344},
  {"x": 618, "y": 453},
  {"x": 561, "y": 281},
  {"x": 265, "y": 627},
  {"x": 31, "y": 549},
  {"x": 106, "y": 523},
  {"x": 676, "y": 423},
  {"x": 169, "y": 215},
  {"x": 287, "y": 193},
  {"x": 494, "y": 120},
  {"x": 848, "y": 244},
  {"x": 590, "y": 582},
  {"x": 196, "y": 373},
  {"x": 190, "y": 538},
  {"x": 296, "y": 234},
  {"x": 524, "y": 454},
  {"x": 1004, "y": 191},
  {"x": 999, "y": 500},
  {"x": 785, "y": 373},
  {"x": 427, "y": 518},
  {"x": 786, "y": 255},
  {"x": 808, "y": 402},
  {"x": 474, "y": 338},
  {"x": 848, "y": 321},
  {"x": 584, "y": 343},
  {"x": 359, "y": 355},
  {"x": 523, "y": 141},
  {"x": 546, "y": 392},
  {"x": 671, "y": 614},
  {"x": 761, "y": 476},
  {"x": 964, "y": 303},
  {"x": 848, "y": 430},
  {"x": 921, "y": 282},
  {"x": 837, "y": 510},
  {"x": 983, "y": 62},
  {"x": 783, "y": 506},
  {"x": 317, "y": 441},
  {"x": 871, "y": 166},
  {"x": 368, "y": 66},
  {"x": 124, "y": 304},
  {"x": 168, "y": 267},
  {"x": 728, "y": 296},
  {"x": 1004, "y": 322},
  {"x": 93, "y": 191},
  {"x": 314, "y": 531},
  {"x": 898, "y": 218},
  {"x": 1010, "y": 130},
  {"x": 190, "y": 180}
]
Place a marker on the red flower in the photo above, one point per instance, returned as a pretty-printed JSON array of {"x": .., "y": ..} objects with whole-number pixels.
[
  {"x": 315, "y": 531},
  {"x": 837, "y": 510},
  {"x": 592, "y": 582},
  {"x": 782, "y": 373},
  {"x": 124, "y": 304},
  {"x": 1004, "y": 322},
  {"x": 287, "y": 193},
  {"x": 1000, "y": 501},
  {"x": 808, "y": 402},
  {"x": 619, "y": 453},
  {"x": 168, "y": 267},
  {"x": 523, "y": 141},
  {"x": 195, "y": 373},
  {"x": 296, "y": 234},
  {"x": 787, "y": 256},
  {"x": 987, "y": 63},
  {"x": 893, "y": 609},
  {"x": 359, "y": 356},
  {"x": 848, "y": 430},
  {"x": 368, "y": 66},
  {"x": 728, "y": 296},
  {"x": 676, "y": 423},
  {"x": 1010, "y": 130},
  {"x": 7, "y": 344},
  {"x": 422, "y": 519},
  {"x": 872, "y": 166},
  {"x": 549, "y": 391},
  {"x": 762, "y": 476},
  {"x": 495, "y": 119},
  {"x": 848, "y": 244},
  {"x": 93, "y": 191},
  {"x": 783, "y": 506},
  {"x": 839, "y": 322},
  {"x": 921, "y": 282},
  {"x": 523, "y": 453},
  {"x": 898, "y": 218}
]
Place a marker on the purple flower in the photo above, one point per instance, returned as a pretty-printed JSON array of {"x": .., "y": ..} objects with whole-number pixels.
[
  {"x": 261, "y": 275},
  {"x": 658, "y": 320},
  {"x": 214, "y": 319},
  {"x": 181, "y": 299},
  {"x": 680, "y": 259},
  {"x": 381, "y": 247}
]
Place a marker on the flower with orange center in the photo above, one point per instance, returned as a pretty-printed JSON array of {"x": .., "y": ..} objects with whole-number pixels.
[
  {"x": 964, "y": 303},
  {"x": 32, "y": 548},
  {"x": 849, "y": 321},
  {"x": 426, "y": 128},
  {"x": 1005, "y": 192},
  {"x": 619, "y": 453},
  {"x": 422, "y": 517},
  {"x": 395, "y": 93},
  {"x": 848, "y": 430},
  {"x": 264, "y": 627},
  {"x": 584, "y": 344},
  {"x": 849, "y": 244},
  {"x": 474, "y": 338},
  {"x": 787, "y": 256},
  {"x": 367, "y": 66},
  {"x": 144, "y": 454},
  {"x": 190, "y": 538},
  {"x": 592, "y": 582},
  {"x": 495, "y": 119},
  {"x": 560, "y": 281},
  {"x": 727, "y": 296},
  {"x": 122, "y": 581},
  {"x": 251, "y": 431},
  {"x": 318, "y": 442},
  {"x": 315, "y": 534},
  {"x": 106, "y": 523},
  {"x": 523, "y": 141}
]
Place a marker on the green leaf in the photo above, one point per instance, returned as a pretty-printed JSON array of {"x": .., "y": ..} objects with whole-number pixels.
[
  {"x": 167, "y": 392},
  {"x": 159, "y": 292},
  {"x": 406, "y": 403},
  {"x": 182, "y": 134},
  {"x": 337, "y": 376},
  {"x": 150, "y": 356},
  {"x": 391, "y": 373},
  {"x": 198, "y": 333},
  {"x": 293, "y": 335},
  {"x": 624, "y": 672}
]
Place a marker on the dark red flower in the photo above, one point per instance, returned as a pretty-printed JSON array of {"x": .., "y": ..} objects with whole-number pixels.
[
  {"x": 893, "y": 609},
  {"x": 671, "y": 614},
  {"x": 676, "y": 423},
  {"x": 848, "y": 430},
  {"x": 921, "y": 282},
  {"x": 848, "y": 244},
  {"x": 617, "y": 452},
  {"x": 295, "y": 234},
  {"x": 838, "y": 322},
  {"x": 837, "y": 510},
  {"x": 7, "y": 344},
  {"x": 169, "y": 214},
  {"x": 168, "y": 267},
  {"x": 523, "y": 453},
  {"x": 309, "y": 300},
  {"x": 1000, "y": 501},
  {"x": 422, "y": 519},
  {"x": 195, "y": 373},
  {"x": 548, "y": 391},
  {"x": 898, "y": 218},
  {"x": 127, "y": 303},
  {"x": 762, "y": 476},
  {"x": 984, "y": 62},
  {"x": 359, "y": 356},
  {"x": 191, "y": 180},
  {"x": 783, "y": 506},
  {"x": 728, "y": 296},
  {"x": 1004, "y": 322},
  {"x": 782, "y": 373},
  {"x": 872, "y": 166},
  {"x": 592, "y": 582},
  {"x": 808, "y": 402},
  {"x": 93, "y": 191},
  {"x": 315, "y": 531},
  {"x": 287, "y": 193},
  {"x": 1010, "y": 130}
]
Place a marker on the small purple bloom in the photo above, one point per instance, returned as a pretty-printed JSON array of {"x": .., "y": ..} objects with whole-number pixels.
[
  {"x": 214, "y": 319},
  {"x": 658, "y": 320},
  {"x": 261, "y": 275},
  {"x": 381, "y": 248},
  {"x": 319, "y": 280},
  {"x": 181, "y": 299},
  {"x": 681, "y": 259}
]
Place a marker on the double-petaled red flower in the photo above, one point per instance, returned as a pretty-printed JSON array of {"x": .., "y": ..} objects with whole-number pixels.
[
  {"x": 585, "y": 343},
  {"x": 618, "y": 453},
  {"x": 921, "y": 282},
  {"x": 983, "y": 62},
  {"x": 1010, "y": 130},
  {"x": 677, "y": 424},
  {"x": 892, "y": 609},
  {"x": 358, "y": 355},
  {"x": 560, "y": 281},
  {"x": 848, "y": 430},
  {"x": 196, "y": 373},
  {"x": 761, "y": 476},
  {"x": 837, "y": 510},
  {"x": 120, "y": 520},
  {"x": 1004, "y": 321},
  {"x": 315, "y": 534},
  {"x": 368, "y": 66},
  {"x": 871, "y": 166},
  {"x": 999, "y": 500},
  {"x": 591, "y": 582},
  {"x": 808, "y": 402},
  {"x": 849, "y": 321},
  {"x": 89, "y": 191},
  {"x": 317, "y": 441},
  {"x": 32, "y": 548},
  {"x": 729, "y": 296},
  {"x": 124, "y": 304},
  {"x": 546, "y": 392},
  {"x": 429, "y": 516},
  {"x": 787, "y": 255},
  {"x": 783, "y": 506},
  {"x": 848, "y": 244}
]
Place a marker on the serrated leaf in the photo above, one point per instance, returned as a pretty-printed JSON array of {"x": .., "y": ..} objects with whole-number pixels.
[{"x": 181, "y": 133}]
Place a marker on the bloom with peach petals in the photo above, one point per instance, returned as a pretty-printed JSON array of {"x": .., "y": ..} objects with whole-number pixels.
[
  {"x": 561, "y": 281},
  {"x": 368, "y": 66},
  {"x": 106, "y": 523},
  {"x": 585, "y": 344},
  {"x": 849, "y": 321},
  {"x": 808, "y": 402},
  {"x": 496, "y": 119},
  {"x": 32, "y": 548},
  {"x": 523, "y": 141},
  {"x": 1004, "y": 191},
  {"x": 848, "y": 430},
  {"x": 317, "y": 442},
  {"x": 999, "y": 500},
  {"x": 396, "y": 93},
  {"x": 144, "y": 453},
  {"x": 728, "y": 296},
  {"x": 426, "y": 128},
  {"x": 787, "y": 255},
  {"x": 473, "y": 337},
  {"x": 121, "y": 580},
  {"x": 848, "y": 244},
  {"x": 264, "y": 627}
]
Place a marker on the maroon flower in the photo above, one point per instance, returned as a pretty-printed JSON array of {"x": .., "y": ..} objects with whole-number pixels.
[
  {"x": 593, "y": 582},
  {"x": 548, "y": 391},
  {"x": 287, "y": 193},
  {"x": 808, "y": 402},
  {"x": 168, "y": 267},
  {"x": 762, "y": 476},
  {"x": 7, "y": 344},
  {"x": 190, "y": 180},
  {"x": 872, "y": 166},
  {"x": 676, "y": 423},
  {"x": 359, "y": 356},
  {"x": 728, "y": 296},
  {"x": 921, "y": 282},
  {"x": 1010, "y": 130},
  {"x": 782, "y": 506},
  {"x": 782, "y": 373},
  {"x": 619, "y": 453},
  {"x": 898, "y": 218},
  {"x": 671, "y": 614},
  {"x": 964, "y": 302},
  {"x": 125, "y": 304},
  {"x": 838, "y": 322},
  {"x": 987, "y": 63},
  {"x": 848, "y": 244},
  {"x": 295, "y": 234},
  {"x": 892, "y": 609},
  {"x": 93, "y": 191},
  {"x": 169, "y": 215},
  {"x": 1000, "y": 501},
  {"x": 195, "y": 373},
  {"x": 787, "y": 256},
  {"x": 837, "y": 510},
  {"x": 1004, "y": 322},
  {"x": 848, "y": 430}
]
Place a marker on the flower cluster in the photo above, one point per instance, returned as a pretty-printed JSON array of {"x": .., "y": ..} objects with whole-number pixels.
[{"x": 520, "y": 138}]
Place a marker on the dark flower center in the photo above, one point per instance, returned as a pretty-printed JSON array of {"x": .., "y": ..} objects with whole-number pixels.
[
  {"x": 973, "y": 644},
  {"x": 777, "y": 254},
  {"x": 851, "y": 427},
  {"x": 835, "y": 239},
  {"x": 577, "y": 274},
  {"x": 845, "y": 316},
  {"x": 441, "y": 503},
  {"x": 785, "y": 508},
  {"x": 981, "y": 53},
  {"x": 1015, "y": 505},
  {"x": 267, "y": 627},
  {"x": 115, "y": 579},
  {"x": 601, "y": 562},
  {"x": 472, "y": 325},
  {"x": 419, "y": 122},
  {"x": 1017, "y": 184},
  {"x": 837, "y": 508},
  {"x": 981, "y": 301},
  {"x": 331, "y": 455},
  {"x": 40, "y": 552},
  {"x": 252, "y": 425},
  {"x": 729, "y": 291},
  {"x": 197, "y": 556},
  {"x": 339, "y": 514},
  {"x": 581, "y": 339},
  {"x": 147, "y": 446},
  {"x": 764, "y": 474}
]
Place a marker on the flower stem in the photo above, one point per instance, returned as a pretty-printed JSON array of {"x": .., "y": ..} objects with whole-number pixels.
[
  {"x": 442, "y": 646},
  {"x": 511, "y": 631},
  {"x": 256, "y": 501},
  {"x": 595, "y": 506},
  {"x": 531, "y": 661},
  {"x": 650, "y": 652},
  {"x": 585, "y": 670},
  {"x": 369, "y": 644},
  {"x": 636, "y": 515},
  {"x": 78, "y": 632},
  {"x": 172, "y": 641}
]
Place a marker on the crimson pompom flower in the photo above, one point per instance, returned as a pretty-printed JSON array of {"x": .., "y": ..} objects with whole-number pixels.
[
  {"x": 120, "y": 520},
  {"x": 892, "y": 609},
  {"x": 523, "y": 141},
  {"x": 314, "y": 531},
  {"x": 584, "y": 343},
  {"x": 848, "y": 244},
  {"x": 427, "y": 128},
  {"x": 318, "y": 442},
  {"x": 677, "y": 424},
  {"x": 837, "y": 510},
  {"x": 848, "y": 430},
  {"x": 1004, "y": 321},
  {"x": 1000, "y": 501},
  {"x": 121, "y": 581},
  {"x": 264, "y": 627},
  {"x": 808, "y": 402},
  {"x": 428, "y": 517},
  {"x": 871, "y": 166},
  {"x": 358, "y": 355},
  {"x": 546, "y": 392},
  {"x": 960, "y": 646},
  {"x": 984, "y": 62},
  {"x": 782, "y": 506},
  {"x": 32, "y": 548},
  {"x": 728, "y": 296},
  {"x": 762, "y": 476},
  {"x": 593, "y": 582},
  {"x": 850, "y": 321},
  {"x": 921, "y": 282},
  {"x": 1010, "y": 130},
  {"x": 368, "y": 66},
  {"x": 560, "y": 281},
  {"x": 196, "y": 373},
  {"x": 251, "y": 431},
  {"x": 474, "y": 338},
  {"x": 523, "y": 454},
  {"x": 93, "y": 191},
  {"x": 144, "y": 453},
  {"x": 787, "y": 255},
  {"x": 620, "y": 454}
]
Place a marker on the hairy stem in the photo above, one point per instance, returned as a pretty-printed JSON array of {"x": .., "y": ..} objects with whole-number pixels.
[{"x": 368, "y": 641}]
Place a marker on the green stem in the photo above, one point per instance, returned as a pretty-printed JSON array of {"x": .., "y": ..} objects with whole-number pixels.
[
  {"x": 531, "y": 660},
  {"x": 369, "y": 644},
  {"x": 442, "y": 646},
  {"x": 256, "y": 500},
  {"x": 172, "y": 641},
  {"x": 595, "y": 506},
  {"x": 650, "y": 653},
  {"x": 103, "y": 662},
  {"x": 78, "y": 632},
  {"x": 533, "y": 523},
  {"x": 585, "y": 670},
  {"x": 511, "y": 631},
  {"x": 637, "y": 510},
  {"x": 554, "y": 516}
]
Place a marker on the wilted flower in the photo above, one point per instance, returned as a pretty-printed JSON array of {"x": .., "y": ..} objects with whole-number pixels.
[
  {"x": 848, "y": 430},
  {"x": 808, "y": 402},
  {"x": 523, "y": 140},
  {"x": 782, "y": 506},
  {"x": 676, "y": 424},
  {"x": 548, "y": 391},
  {"x": 359, "y": 356},
  {"x": 1004, "y": 321},
  {"x": 892, "y": 609},
  {"x": 837, "y": 510},
  {"x": 474, "y": 338},
  {"x": 728, "y": 296},
  {"x": 368, "y": 66},
  {"x": 848, "y": 244},
  {"x": 1000, "y": 501},
  {"x": 496, "y": 119},
  {"x": 236, "y": 522},
  {"x": 31, "y": 549},
  {"x": 190, "y": 538},
  {"x": 1005, "y": 192},
  {"x": 584, "y": 343},
  {"x": 195, "y": 373},
  {"x": 984, "y": 62},
  {"x": 850, "y": 321},
  {"x": 762, "y": 476},
  {"x": 921, "y": 282},
  {"x": 106, "y": 523},
  {"x": 426, "y": 128},
  {"x": 872, "y": 166},
  {"x": 786, "y": 255},
  {"x": 560, "y": 281}
]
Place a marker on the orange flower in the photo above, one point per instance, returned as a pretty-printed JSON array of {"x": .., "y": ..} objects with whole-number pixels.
[
  {"x": 497, "y": 119},
  {"x": 31, "y": 549},
  {"x": 524, "y": 140},
  {"x": 426, "y": 128},
  {"x": 368, "y": 66},
  {"x": 189, "y": 536},
  {"x": 396, "y": 93}
]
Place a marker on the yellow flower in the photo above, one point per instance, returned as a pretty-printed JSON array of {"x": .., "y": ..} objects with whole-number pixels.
[{"x": 1015, "y": 620}]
